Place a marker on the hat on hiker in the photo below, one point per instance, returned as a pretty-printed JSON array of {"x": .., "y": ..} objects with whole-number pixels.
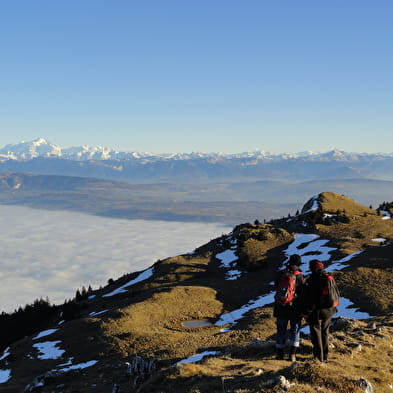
[
  {"x": 316, "y": 265},
  {"x": 295, "y": 260}
]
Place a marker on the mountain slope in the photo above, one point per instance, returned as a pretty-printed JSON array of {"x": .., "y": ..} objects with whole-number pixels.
[{"x": 130, "y": 334}]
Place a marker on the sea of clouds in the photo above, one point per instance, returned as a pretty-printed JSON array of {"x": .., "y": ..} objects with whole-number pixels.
[{"x": 53, "y": 253}]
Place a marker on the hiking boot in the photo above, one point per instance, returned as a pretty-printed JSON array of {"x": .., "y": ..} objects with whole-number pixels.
[
  {"x": 280, "y": 354},
  {"x": 292, "y": 354}
]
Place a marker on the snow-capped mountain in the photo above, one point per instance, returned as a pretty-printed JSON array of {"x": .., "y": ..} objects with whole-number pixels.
[
  {"x": 43, "y": 157},
  {"x": 40, "y": 147}
]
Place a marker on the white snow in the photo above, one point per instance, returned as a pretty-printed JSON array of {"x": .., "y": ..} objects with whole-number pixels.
[
  {"x": 309, "y": 244},
  {"x": 233, "y": 274},
  {"x": 197, "y": 357},
  {"x": 340, "y": 264},
  {"x": 95, "y": 313},
  {"x": 233, "y": 316},
  {"x": 141, "y": 277},
  {"x": 79, "y": 366},
  {"x": 228, "y": 258},
  {"x": 314, "y": 205},
  {"x": 378, "y": 239},
  {"x": 5, "y": 353},
  {"x": 346, "y": 310},
  {"x": 45, "y": 333},
  {"x": 5, "y": 375},
  {"x": 48, "y": 350},
  {"x": 67, "y": 363}
]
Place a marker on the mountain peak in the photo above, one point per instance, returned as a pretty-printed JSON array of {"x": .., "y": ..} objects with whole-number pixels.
[
  {"x": 331, "y": 202},
  {"x": 40, "y": 141}
]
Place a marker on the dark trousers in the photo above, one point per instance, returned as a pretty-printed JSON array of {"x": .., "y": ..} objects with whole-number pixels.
[
  {"x": 319, "y": 322},
  {"x": 282, "y": 325}
]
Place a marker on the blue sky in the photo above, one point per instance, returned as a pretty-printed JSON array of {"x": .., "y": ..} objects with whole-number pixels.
[{"x": 171, "y": 76}]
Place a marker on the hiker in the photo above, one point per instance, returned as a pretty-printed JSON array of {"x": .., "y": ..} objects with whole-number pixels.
[
  {"x": 287, "y": 306},
  {"x": 319, "y": 307}
]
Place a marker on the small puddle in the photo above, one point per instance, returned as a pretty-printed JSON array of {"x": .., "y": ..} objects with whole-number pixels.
[{"x": 196, "y": 323}]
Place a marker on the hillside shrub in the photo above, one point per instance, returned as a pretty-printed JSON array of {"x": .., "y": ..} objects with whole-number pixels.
[{"x": 251, "y": 254}]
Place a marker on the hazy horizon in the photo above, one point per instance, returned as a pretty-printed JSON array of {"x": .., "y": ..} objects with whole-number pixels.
[{"x": 53, "y": 253}]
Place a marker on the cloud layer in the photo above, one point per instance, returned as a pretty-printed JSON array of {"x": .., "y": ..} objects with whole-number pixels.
[{"x": 52, "y": 253}]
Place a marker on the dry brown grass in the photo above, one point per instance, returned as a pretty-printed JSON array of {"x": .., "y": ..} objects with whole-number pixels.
[
  {"x": 155, "y": 323},
  {"x": 330, "y": 202},
  {"x": 249, "y": 370},
  {"x": 258, "y": 241},
  {"x": 358, "y": 233},
  {"x": 372, "y": 288}
]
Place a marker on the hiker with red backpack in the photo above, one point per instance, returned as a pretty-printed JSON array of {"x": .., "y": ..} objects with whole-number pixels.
[
  {"x": 321, "y": 297},
  {"x": 287, "y": 306}
]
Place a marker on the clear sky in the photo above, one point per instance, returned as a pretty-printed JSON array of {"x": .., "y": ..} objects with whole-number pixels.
[{"x": 198, "y": 75}]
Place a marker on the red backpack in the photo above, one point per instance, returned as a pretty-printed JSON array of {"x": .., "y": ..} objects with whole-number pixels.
[
  {"x": 330, "y": 296},
  {"x": 286, "y": 288}
]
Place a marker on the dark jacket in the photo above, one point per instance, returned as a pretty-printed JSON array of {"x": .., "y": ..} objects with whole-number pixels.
[
  {"x": 293, "y": 310},
  {"x": 312, "y": 299}
]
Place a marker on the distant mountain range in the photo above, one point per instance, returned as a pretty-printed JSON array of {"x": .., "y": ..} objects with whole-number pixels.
[
  {"x": 42, "y": 157},
  {"x": 40, "y": 147}
]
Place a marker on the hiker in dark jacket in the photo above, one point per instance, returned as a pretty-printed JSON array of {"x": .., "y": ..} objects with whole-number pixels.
[
  {"x": 290, "y": 312},
  {"x": 317, "y": 314}
]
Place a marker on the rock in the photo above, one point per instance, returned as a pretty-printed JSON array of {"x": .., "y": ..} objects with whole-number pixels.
[
  {"x": 372, "y": 325},
  {"x": 257, "y": 343},
  {"x": 342, "y": 324},
  {"x": 366, "y": 385},
  {"x": 281, "y": 382},
  {"x": 41, "y": 380},
  {"x": 141, "y": 367}
]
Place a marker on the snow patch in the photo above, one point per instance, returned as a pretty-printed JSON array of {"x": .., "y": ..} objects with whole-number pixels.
[
  {"x": 5, "y": 353},
  {"x": 228, "y": 259},
  {"x": 314, "y": 206},
  {"x": 79, "y": 366},
  {"x": 95, "y": 313},
  {"x": 45, "y": 333},
  {"x": 197, "y": 357},
  {"x": 341, "y": 264},
  {"x": 309, "y": 244},
  {"x": 232, "y": 317},
  {"x": 378, "y": 239},
  {"x": 346, "y": 310},
  {"x": 141, "y": 277},
  {"x": 48, "y": 350},
  {"x": 5, "y": 375}
]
